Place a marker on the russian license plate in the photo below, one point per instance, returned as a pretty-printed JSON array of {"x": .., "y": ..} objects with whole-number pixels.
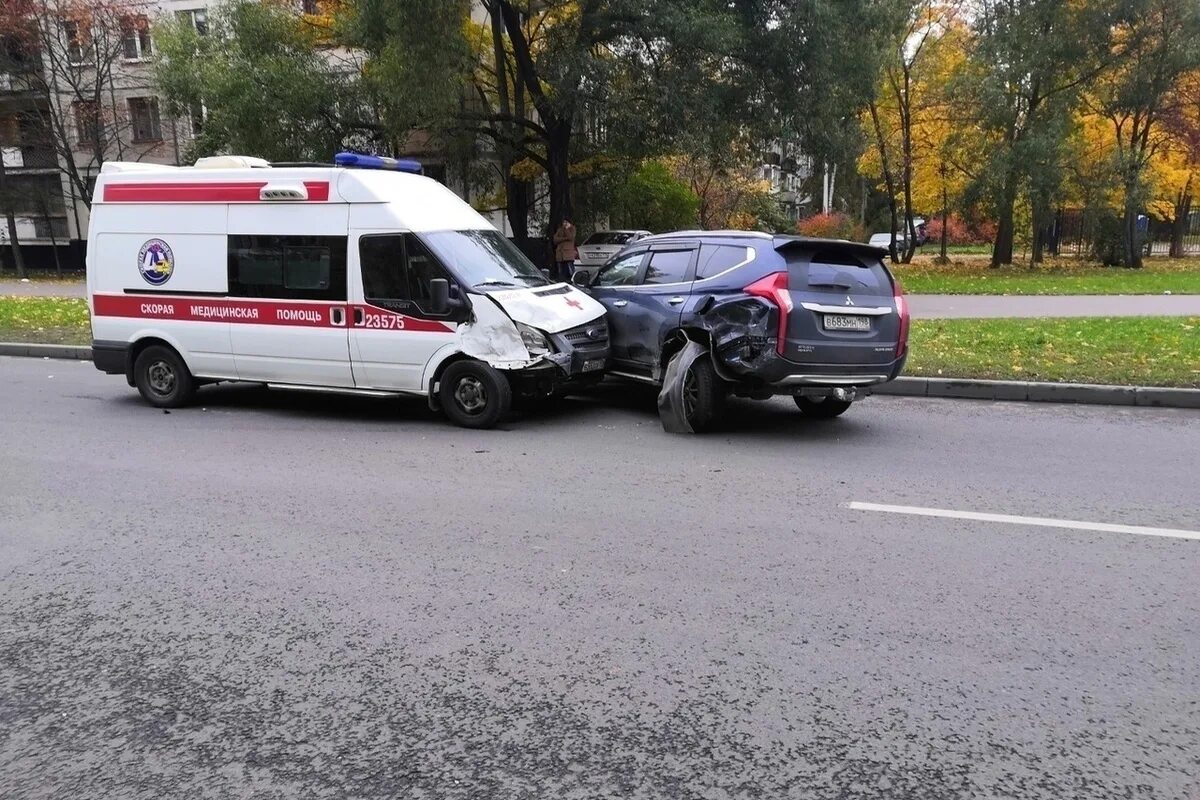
[
  {"x": 593, "y": 364},
  {"x": 847, "y": 322}
]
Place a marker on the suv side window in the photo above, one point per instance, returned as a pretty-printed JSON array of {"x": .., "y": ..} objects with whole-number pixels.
[
  {"x": 622, "y": 272},
  {"x": 668, "y": 266},
  {"x": 288, "y": 267},
  {"x": 716, "y": 258},
  {"x": 396, "y": 272}
]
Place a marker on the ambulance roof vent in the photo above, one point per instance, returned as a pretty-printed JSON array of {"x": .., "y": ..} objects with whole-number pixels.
[
  {"x": 231, "y": 162},
  {"x": 283, "y": 191}
]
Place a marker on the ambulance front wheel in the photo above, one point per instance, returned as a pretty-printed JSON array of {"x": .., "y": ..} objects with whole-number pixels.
[
  {"x": 162, "y": 378},
  {"x": 474, "y": 395}
]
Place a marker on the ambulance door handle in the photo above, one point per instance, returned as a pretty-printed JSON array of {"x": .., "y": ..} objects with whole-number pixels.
[
  {"x": 358, "y": 316},
  {"x": 337, "y": 316}
]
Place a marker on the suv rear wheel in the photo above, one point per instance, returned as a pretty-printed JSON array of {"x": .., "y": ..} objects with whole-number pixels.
[
  {"x": 474, "y": 395},
  {"x": 821, "y": 408}
]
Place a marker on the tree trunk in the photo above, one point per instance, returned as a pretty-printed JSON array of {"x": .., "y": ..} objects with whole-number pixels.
[
  {"x": 888, "y": 180},
  {"x": 10, "y": 217},
  {"x": 1041, "y": 228},
  {"x": 558, "y": 155},
  {"x": 517, "y": 193},
  {"x": 1179, "y": 226},
  {"x": 944, "y": 256},
  {"x": 1002, "y": 249},
  {"x": 1131, "y": 245}
]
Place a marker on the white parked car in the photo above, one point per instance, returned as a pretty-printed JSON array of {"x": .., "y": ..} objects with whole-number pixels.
[{"x": 598, "y": 248}]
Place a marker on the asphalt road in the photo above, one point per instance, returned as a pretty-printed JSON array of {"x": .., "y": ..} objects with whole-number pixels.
[{"x": 273, "y": 596}]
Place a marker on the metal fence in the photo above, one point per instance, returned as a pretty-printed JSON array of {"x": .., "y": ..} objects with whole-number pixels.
[{"x": 1077, "y": 232}]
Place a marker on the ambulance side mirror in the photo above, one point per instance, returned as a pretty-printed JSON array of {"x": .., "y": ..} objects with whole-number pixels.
[{"x": 439, "y": 291}]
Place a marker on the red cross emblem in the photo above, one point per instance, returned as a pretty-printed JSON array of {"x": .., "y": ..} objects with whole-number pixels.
[{"x": 573, "y": 303}]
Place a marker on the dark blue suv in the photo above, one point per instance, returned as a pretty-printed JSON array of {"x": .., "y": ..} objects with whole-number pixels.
[{"x": 772, "y": 315}]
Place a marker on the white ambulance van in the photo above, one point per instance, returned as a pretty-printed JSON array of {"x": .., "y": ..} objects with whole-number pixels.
[{"x": 358, "y": 277}]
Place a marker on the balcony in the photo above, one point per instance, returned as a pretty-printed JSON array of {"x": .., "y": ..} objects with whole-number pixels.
[
  {"x": 22, "y": 82},
  {"x": 28, "y": 158}
]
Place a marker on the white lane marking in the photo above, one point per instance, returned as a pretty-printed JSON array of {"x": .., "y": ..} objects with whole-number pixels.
[{"x": 1044, "y": 522}]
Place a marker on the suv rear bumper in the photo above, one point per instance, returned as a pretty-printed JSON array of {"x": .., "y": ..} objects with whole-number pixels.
[{"x": 770, "y": 372}]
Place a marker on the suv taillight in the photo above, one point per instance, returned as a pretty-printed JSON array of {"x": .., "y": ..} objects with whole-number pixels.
[
  {"x": 902, "y": 310},
  {"x": 774, "y": 287}
]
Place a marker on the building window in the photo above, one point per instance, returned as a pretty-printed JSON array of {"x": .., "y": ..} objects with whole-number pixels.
[
  {"x": 136, "y": 38},
  {"x": 196, "y": 117},
  {"x": 87, "y": 125},
  {"x": 197, "y": 18},
  {"x": 75, "y": 41},
  {"x": 143, "y": 118}
]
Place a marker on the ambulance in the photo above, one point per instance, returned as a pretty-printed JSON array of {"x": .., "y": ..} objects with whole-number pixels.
[{"x": 362, "y": 276}]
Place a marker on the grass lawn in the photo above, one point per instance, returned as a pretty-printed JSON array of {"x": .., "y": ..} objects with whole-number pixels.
[
  {"x": 970, "y": 275},
  {"x": 48, "y": 320},
  {"x": 1149, "y": 351}
]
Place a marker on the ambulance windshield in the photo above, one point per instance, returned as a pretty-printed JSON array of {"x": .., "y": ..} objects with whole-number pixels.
[{"x": 483, "y": 258}]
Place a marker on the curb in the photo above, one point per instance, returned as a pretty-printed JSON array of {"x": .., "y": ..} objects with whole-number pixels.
[
  {"x": 1035, "y": 392},
  {"x": 1015, "y": 391},
  {"x": 73, "y": 352}
]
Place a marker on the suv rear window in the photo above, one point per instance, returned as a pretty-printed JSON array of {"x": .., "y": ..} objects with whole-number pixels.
[{"x": 835, "y": 272}]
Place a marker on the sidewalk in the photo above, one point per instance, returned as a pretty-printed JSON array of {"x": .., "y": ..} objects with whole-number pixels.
[
  {"x": 964, "y": 306},
  {"x": 35, "y": 288}
]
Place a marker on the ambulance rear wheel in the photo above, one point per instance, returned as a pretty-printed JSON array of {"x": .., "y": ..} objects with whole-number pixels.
[
  {"x": 474, "y": 395},
  {"x": 162, "y": 378}
]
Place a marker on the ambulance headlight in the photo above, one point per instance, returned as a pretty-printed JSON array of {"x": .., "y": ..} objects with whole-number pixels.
[{"x": 535, "y": 341}]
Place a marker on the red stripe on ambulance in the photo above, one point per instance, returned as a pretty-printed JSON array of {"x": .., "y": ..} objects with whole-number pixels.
[
  {"x": 257, "y": 312},
  {"x": 227, "y": 192}
]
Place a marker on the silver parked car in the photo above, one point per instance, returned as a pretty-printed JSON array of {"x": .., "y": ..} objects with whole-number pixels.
[{"x": 598, "y": 248}]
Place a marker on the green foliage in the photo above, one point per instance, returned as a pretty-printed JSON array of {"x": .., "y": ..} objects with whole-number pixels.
[
  {"x": 653, "y": 199},
  {"x": 419, "y": 60},
  {"x": 267, "y": 87}
]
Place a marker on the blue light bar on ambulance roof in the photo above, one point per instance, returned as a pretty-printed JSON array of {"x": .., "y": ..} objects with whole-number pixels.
[{"x": 360, "y": 161}]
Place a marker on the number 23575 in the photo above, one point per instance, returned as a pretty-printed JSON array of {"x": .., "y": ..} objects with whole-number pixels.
[{"x": 386, "y": 322}]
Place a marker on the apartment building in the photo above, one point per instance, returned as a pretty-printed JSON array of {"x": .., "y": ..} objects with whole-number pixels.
[{"x": 78, "y": 94}]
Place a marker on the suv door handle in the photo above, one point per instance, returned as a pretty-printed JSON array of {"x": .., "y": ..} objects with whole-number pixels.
[
  {"x": 620, "y": 303},
  {"x": 358, "y": 316},
  {"x": 676, "y": 300}
]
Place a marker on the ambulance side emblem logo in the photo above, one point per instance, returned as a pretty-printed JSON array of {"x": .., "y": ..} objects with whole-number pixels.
[{"x": 156, "y": 262}]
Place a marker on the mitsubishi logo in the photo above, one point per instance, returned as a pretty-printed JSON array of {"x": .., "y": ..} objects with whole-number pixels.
[{"x": 849, "y": 302}]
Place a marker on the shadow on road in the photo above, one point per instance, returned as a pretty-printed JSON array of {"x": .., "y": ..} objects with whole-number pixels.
[{"x": 612, "y": 402}]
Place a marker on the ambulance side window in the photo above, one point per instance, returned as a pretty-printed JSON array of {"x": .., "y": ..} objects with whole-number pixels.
[
  {"x": 397, "y": 270},
  {"x": 289, "y": 267}
]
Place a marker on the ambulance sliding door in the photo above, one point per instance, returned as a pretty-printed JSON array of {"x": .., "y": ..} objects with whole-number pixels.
[{"x": 291, "y": 260}]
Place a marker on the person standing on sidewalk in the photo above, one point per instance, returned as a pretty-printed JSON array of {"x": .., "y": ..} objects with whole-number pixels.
[{"x": 565, "y": 252}]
